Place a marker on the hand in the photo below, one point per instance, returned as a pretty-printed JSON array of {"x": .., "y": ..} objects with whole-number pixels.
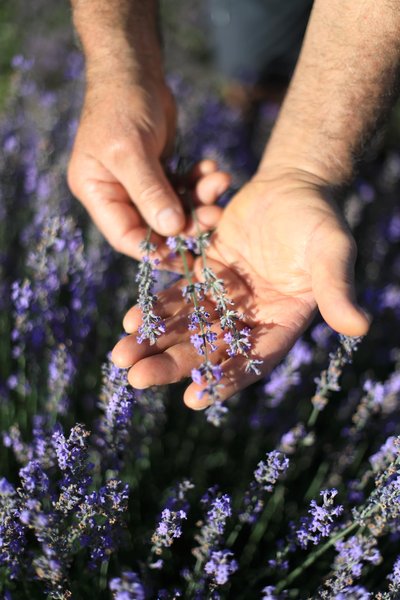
[
  {"x": 282, "y": 249},
  {"x": 115, "y": 167}
]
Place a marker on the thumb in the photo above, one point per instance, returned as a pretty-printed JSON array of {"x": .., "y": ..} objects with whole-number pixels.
[
  {"x": 332, "y": 272},
  {"x": 149, "y": 189}
]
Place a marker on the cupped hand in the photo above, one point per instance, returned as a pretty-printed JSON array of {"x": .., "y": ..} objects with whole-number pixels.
[
  {"x": 283, "y": 250},
  {"x": 116, "y": 164}
]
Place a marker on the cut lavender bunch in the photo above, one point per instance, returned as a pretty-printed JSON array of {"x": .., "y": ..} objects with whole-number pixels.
[
  {"x": 237, "y": 339},
  {"x": 152, "y": 325}
]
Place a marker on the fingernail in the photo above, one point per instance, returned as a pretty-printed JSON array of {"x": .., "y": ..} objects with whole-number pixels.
[{"x": 169, "y": 221}]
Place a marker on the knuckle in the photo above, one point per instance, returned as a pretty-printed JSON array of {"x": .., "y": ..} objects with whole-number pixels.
[
  {"x": 121, "y": 146},
  {"x": 118, "y": 148}
]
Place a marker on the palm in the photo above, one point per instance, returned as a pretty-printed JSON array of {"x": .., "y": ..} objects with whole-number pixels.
[{"x": 266, "y": 248}]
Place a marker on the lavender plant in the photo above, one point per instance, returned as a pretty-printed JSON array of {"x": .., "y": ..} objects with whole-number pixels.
[{"x": 85, "y": 515}]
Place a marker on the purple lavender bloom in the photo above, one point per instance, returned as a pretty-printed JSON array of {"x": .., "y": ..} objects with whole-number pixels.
[
  {"x": 217, "y": 411},
  {"x": 287, "y": 375},
  {"x": 218, "y": 511},
  {"x": 61, "y": 374},
  {"x": 269, "y": 593},
  {"x": 220, "y": 566},
  {"x": 6, "y": 488},
  {"x": 199, "y": 318},
  {"x": 127, "y": 587},
  {"x": 385, "y": 455},
  {"x": 170, "y": 525},
  {"x": 168, "y": 528},
  {"x": 197, "y": 340},
  {"x": 289, "y": 440},
  {"x": 194, "y": 289},
  {"x": 352, "y": 555},
  {"x": 101, "y": 517},
  {"x": 115, "y": 426},
  {"x": 33, "y": 478},
  {"x": 394, "y": 576},
  {"x": 328, "y": 381},
  {"x": 172, "y": 243},
  {"x": 355, "y": 592},
  {"x": 196, "y": 375},
  {"x": 152, "y": 325},
  {"x": 321, "y": 521},
  {"x": 269, "y": 470},
  {"x": 238, "y": 341}
]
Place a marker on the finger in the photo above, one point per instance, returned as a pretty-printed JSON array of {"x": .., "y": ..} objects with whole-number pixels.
[
  {"x": 210, "y": 187},
  {"x": 113, "y": 213},
  {"x": 334, "y": 289},
  {"x": 200, "y": 169},
  {"x": 142, "y": 176},
  {"x": 270, "y": 343},
  {"x": 162, "y": 369},
  {"x": 207, "y": 218},
  {"x": 129, "y": 351},
  {"x": 169, "y": 304}
]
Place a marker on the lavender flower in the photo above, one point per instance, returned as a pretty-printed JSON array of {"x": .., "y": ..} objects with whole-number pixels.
[
  {"x": 385, "y": 455},
  {"x": 152, "y": 325},
  {"x": 220, "y": 566},
  {"x": 268, "y": 472},
  {"x": 269, "y": 593},
  {"x": 287, "y": 375},
  {"x": 204, "y": 343},
  {"x": 321, "y": 521},
  {"x": 116, "y": 402},
  {"x": 329, "y": 379},
  {"x": 394, "y": 577},
  {"x": 219, "y": 510},
  {"x": 127, "y": 587},
  {"x": 352, "y": 555},
  {"x": 168, "y": 529},
  {"x": 382, "y": 510},
  {"x": 170, "y": 525},
  {"x": 238, "y": 340},
  {"x": 61, "y": 373}
]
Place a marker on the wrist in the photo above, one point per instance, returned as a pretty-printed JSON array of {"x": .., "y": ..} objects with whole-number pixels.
[{"x": 308, "y": 158}]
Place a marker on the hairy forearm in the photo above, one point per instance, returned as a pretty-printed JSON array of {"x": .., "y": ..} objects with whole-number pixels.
[
  {"x": 119, "y": 37},
  {"x": 344, "y": 84}
]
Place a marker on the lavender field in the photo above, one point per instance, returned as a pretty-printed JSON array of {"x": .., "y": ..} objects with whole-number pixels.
[{"x": 111, "y": 492}]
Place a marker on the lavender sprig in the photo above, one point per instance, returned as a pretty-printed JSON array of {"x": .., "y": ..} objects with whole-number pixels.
[
  {"x": 152, "y": 324},
  {"x": 170, "y": 525},
  {"x": 203, "y": 342},
  {"x": 238, "y": 340}
]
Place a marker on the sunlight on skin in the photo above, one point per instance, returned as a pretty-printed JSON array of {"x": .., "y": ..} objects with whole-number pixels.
[{"x": 276, "y": 270}]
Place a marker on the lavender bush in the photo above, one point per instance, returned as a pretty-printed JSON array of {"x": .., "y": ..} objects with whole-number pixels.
[{"x": 111, "y": 492}]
